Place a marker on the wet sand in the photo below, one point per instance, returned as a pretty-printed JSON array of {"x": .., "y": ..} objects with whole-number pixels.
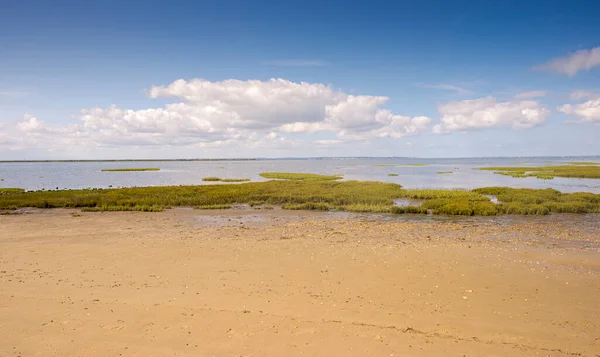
[{"x": 278, "y": 283}]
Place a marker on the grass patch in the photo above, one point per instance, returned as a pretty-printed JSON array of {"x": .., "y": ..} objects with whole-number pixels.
[
  {"x": 445, "y": 172},
  {"x": 321, "y": 195},
  {"x": 544, "y": 201},
  {"x": 392, "y": 174},
  {"x": 299, "y": 176},
  {"x": 132, "y": 169},
  {"x": 140, "y": 208},
  {"x": 582, "y": 163},
  {"x": 8, "y": 191},
  {"x": 213, "y": 206},
  {"x": 235, "y": 180},
  {"x": 216, "y": 179},
  {"x": 430, "y": 194},
  {"x": 548, "y": 172},
  {"x": 309, "y": 206},
  {"x": 332, "y": 194}
]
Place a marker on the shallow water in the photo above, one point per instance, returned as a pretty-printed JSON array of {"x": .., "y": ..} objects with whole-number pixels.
[{"x": 72, "y": 175}]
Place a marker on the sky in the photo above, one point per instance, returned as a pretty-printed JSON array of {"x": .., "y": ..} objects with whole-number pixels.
[{"x": 237, "y": 78}]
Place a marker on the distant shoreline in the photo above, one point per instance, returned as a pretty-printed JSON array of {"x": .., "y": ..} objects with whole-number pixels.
[
  {"x": 123, "y": 160},
  {"x": 304, "y": 158}
]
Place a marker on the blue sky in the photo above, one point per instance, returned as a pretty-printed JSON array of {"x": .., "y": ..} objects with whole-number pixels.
[{"x": 404, "y": 78}]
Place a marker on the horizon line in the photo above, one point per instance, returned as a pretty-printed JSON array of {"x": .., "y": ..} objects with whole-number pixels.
[{"x": 292, "y": 158}]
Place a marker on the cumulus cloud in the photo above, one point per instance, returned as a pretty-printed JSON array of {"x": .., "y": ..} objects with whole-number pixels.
[
  {"x": 205, "y": 113},
  {"x": 588, "y": 111},
  {"x": 487, "y": 112},
  {"x": 574, "y": 62},
  {"x": 532, "y": 94},
  {"x": 30, "y": 124}
]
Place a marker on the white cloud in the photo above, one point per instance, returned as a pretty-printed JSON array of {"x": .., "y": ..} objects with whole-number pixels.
[
  {"x": 486, "y": 113},
  {"x": 588, "y": 112},
  {"x": 328, "y": 142},
  {"x": 30, "y": 124},
  {"x": 450, "y": 87},
  {"x": 531, "y": 94},
  {"x": 582, "y": 94},
  {"x": 208, "y": 113},
  {"x": 573, "y": 63}
]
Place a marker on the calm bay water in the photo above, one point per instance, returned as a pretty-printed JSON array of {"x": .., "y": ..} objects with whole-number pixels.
[{"x": 73, "y": 175}]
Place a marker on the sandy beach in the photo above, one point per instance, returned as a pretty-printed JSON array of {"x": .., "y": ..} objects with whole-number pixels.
[{"x": 277, "y": 283}]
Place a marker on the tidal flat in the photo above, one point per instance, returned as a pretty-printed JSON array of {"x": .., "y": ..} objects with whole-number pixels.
[{"x": 331, "y": 284}]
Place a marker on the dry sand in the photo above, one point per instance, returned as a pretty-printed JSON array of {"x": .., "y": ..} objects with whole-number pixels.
[{"x": 275, "y": 283}]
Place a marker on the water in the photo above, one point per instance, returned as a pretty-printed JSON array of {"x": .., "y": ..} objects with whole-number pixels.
[{"x": 73, "y": 175}]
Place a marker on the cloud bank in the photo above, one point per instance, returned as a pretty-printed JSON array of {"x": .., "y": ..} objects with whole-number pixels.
[
  {"x": 484, "y": 113},
  {"x": 588, "y": 111},
  {"x": 205, "y": 114}
]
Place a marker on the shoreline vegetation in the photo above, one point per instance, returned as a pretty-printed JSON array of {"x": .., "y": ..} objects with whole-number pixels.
[
  {"x": 302, "y": 191},
  {"x": 582, "y": 163},
  {"x": 300, "y": 176},
  {"x": 587, "y": 170},
  {"x": 124, "y": 160},
  {"x": 6, "y": 191},
  {"x": 130, "y": 169},
  {"x": 218, "y": 179}
]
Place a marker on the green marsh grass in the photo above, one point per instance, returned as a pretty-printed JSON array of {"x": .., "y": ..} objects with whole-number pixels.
[
  {"x": 582, "y": 163},
  {"x": 445, "y": 172},
  {"x": 140, "y": 208},
  {"x": 322, "y": 195},
  {"x": 548, "y": 172},
  {"x": 214, "y": 206},
  {"x": 299, "y": 176},
  {"x": 218, "y": 179},
  {"x": 132, "y": 169},
  {"x": 235, "y": 180},
  {"x": 7, "y": 191},
  {"x": 334, "y": 194},
  {"x": 392, "y": 174},
  {"x": 542, "y": 201}
]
